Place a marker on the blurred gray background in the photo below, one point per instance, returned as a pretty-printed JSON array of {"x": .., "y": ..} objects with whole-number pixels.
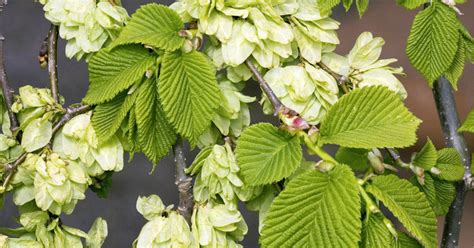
[{"x": 24, "y": 27}]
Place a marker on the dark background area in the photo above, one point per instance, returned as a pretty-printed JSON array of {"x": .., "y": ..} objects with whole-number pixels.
[{"x": 23, "y": 25}]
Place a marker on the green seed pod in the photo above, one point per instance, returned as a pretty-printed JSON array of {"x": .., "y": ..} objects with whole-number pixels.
[
  {"x": 165, "y": 228},
  {"x": 308, "y": 90},
  {"x": 217, "y": 178},
  {"x": 86, "y": 25},
  {"x": 218, "y": 226}
]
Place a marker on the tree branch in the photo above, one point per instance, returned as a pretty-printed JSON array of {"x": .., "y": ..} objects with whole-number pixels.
[
  {"x": 71, "y": 112},
  {"x": 52, "y": 61},
  {"x": 341, "y": 80},
  {"x": 277, "y": 104},
  {"x": 183, "y": 181},
  {"x": 448, "y": 115},
  {"x": 6, "y": 89},
  {"x": 10, "y": 170}
]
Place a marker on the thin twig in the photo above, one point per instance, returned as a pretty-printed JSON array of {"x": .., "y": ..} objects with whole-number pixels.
[
  {"x": 341, "y": 80},
  {"x": 277, "y": 104},
  {"x": 52, "y": 61},
  {"x": 10, "y": 170},
  {"x": 183, "y": 181},
  {"x": 448, "y": 115},
  {"x": 71, "y": 112},
  {"x": 6, "y": 89}
]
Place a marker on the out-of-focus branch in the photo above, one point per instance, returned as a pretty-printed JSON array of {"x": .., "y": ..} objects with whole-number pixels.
[
  {"x": 183, "y": 181},
  {"x": 52, "y": 61},
  {"x": 6, "y": 89}
]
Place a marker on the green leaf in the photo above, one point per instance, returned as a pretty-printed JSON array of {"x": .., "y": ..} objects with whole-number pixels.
[
  {"x": 468, "y": 124},
  {"x": 189, "y": 92},
  {"x": 155, "y": 134},
  {"x": 369, "y": 117},
  {"x": 362, "y": 6},
  {"x": 468, "y": 41},
  {"x": 450, "y": 165},
  {"x": 102, "y": 184},
  {"x": 433, "y": 41},
  {"x": 405, "y": 241},
  {"x": 355, "y": 158},
  {"x": 37, "y": 135},
  {"x": 454, "y": 72},
  {"x": 316, "y": 209},
  {"x": 427, "y": 157},
  {"x": 108, "y": 117},
  {"x": 375, "y": 233},
  {"x": 111, "y": 72},
  {"x": 439, "y": 193},
  {"x": 153, "y": 25},
  {"x": 325, "y": 6},
  {"x": 409, "y": 205},
  {"x": 131, "y": 132},
  {"x": 267, "y": 154},
  {"x": 411, "y": 4},
  {"x": 347, "y": 4}
]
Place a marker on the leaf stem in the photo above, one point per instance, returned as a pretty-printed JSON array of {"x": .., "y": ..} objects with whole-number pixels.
[
  {"x": 183, "y": 181},
  {"x": 6, "y": 89},
  {"x": 396, "y": 158},
  {"x": 369, "y": 202},
  {"x": 448, "y": 115},
  {"x": 52, "y": 61}
]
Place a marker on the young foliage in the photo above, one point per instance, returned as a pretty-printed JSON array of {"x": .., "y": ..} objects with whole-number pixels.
[
  {"x": 369, "y": 117},
  {"x": 454, "y": 72},
  {"x": 409, "y": 205},
  {"x": 267, "y": 154},
  {"x": 111, "y": 72},
  {"x": 450, "y": 165},
  {"x": 411, "y": 4},
  {"x": 154, "y": 25},
  {"x": 374, "y": 232},
  {"x": 354, "y": 157},
  {"x": 405, "y": 241},
  {"x": 439, "y": 193},
  {"x": 362, "y": 6},
  {"x": 468, "y": 124},
  {"x": 108, "y": 117},
  {"x": 316, "y": 209},
  {"x": 427, "y": 157},
  {"x": 433, "y": 41},
  {"x": 189, "y": 92},
  {"x": 325, "y": 6},
  {"x": 156, "y": 135}
]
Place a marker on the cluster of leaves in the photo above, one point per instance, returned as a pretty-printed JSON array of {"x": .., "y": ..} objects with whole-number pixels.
[
  {"x": 147, "y": 89},
  {"x": 299, "y": 213},
  {"x": 439, "y": 44}
]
